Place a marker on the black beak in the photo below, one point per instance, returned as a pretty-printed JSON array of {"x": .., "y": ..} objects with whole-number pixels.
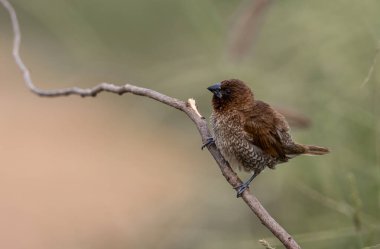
[{"x": 216, "y": 90}]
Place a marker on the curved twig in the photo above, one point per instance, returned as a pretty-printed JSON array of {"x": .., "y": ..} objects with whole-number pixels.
[{"x": 188, "y": 107}]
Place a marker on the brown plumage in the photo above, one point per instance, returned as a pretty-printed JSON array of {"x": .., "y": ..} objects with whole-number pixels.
[{"x": 249, "y": 133}]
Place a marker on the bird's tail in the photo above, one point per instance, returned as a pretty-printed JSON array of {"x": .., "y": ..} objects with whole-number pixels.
[
  {"x": 315, "y": 150},
  {"x": 299, "y": 149}
]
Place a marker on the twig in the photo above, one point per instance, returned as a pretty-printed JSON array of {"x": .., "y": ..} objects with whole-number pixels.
[
  {"x": 372, "y": 68},
  {"x": 245, "y": 27},
  {"x": 339, "y": 206},
  {"x": 188, "y": 107},
  {"x": 266, "y": 244},
  {"x": 377, "y": 246},
  {"x": 294, "y": 118}
]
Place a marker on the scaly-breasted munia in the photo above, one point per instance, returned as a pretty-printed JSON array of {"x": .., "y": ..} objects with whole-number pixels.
[{"x": 249, "y": 133}]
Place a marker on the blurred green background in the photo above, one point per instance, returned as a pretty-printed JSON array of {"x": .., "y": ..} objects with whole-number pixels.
[{"x": 127, "y": 172}]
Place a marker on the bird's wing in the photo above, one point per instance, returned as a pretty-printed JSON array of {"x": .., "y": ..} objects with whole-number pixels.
[{"x": 266, "y": 128}]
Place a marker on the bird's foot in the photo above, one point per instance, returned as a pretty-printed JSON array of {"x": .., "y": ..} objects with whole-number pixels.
[
  {"x": 209, "y": 141},
  {"x": 240, "y": 189}
]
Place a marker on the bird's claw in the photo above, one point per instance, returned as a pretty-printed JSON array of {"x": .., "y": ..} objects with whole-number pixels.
[
  {"x": 209, "y": 141},
  {"x": 240, "y": 189}
]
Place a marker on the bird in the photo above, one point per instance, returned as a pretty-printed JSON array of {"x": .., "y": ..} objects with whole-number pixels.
[{"x": 249, "y": 133}]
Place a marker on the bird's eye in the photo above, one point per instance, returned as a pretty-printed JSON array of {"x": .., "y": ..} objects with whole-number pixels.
[{"x": 228, "y": 91}]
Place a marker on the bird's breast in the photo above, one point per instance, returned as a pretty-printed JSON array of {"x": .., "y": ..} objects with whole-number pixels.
[
  {"x": 230, "y": 138},
  {"x": 227, "y": 134}
]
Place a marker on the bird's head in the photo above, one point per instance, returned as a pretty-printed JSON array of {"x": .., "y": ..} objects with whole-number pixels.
[{"x": 231, "y": 94}]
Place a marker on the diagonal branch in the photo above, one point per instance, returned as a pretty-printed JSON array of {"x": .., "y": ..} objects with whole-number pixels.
[{"x": 187, "y": 107}]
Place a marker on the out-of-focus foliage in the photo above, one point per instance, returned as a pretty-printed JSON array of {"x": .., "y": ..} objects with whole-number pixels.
[{"x": 312, "y": 56}]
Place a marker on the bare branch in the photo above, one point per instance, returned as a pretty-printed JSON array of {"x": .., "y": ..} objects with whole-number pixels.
[
  {"x": 245, "y": 27},
  {"x": 188, "y": 107}
]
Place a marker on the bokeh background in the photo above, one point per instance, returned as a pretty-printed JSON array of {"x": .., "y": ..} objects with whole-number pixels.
[{"x": 127, "y": 172}]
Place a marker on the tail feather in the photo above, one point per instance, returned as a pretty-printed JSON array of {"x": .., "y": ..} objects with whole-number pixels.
[
  {"x": 315, "y": 150},
  {"x": 299, "y": 149}
]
